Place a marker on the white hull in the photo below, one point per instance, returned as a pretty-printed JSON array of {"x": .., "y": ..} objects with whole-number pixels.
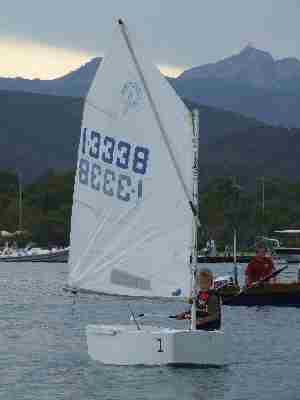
[
  {"x": 125, "y": 345},
  {"x": 49, "y": 256},
  {"x": 291, "y": 258},
  {"x": 289, "y": 254}
]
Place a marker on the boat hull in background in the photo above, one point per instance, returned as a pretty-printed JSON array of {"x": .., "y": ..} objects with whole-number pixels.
[
  {"x": 290, "y": 254},
  {"x": 57, "y": 256},
  {"x": 126, "y": 345},
  {"x": 275, "y": 294}
]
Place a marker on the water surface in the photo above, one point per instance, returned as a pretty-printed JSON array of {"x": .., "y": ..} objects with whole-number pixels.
[{"x": 43, "y": 352}]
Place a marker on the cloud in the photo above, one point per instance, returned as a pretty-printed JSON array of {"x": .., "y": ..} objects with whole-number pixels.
[
  {"x": 36, "y": 60},
  {"x": 179, "y": 33},
  {"x": 171, "y": 71}
]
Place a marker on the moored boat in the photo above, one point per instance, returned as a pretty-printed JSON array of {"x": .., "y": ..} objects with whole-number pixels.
[
  {"x": 37, "y": 255},
  {"x": 268, "y": 294},
  {"x": 287, "y": 252}
]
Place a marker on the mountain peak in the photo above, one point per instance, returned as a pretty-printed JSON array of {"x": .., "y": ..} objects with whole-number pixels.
[
  {"x": 251, "y": 66},
  {"x": 85, "y": 71},
  {"x": 251, "y": 51}
]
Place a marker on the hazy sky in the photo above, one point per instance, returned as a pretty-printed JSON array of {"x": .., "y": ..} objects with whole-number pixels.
[{"x": 46, "y": 39}]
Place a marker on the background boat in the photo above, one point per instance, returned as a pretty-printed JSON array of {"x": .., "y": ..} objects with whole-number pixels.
[
  {"x": 291, "y": 250},
  {"x": 281, "y": 293},
  {"x": 275, "y": 294},
  {"x": 38, "y": 255}
]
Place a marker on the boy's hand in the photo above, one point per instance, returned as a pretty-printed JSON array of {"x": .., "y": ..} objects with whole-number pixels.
[
  {"x": 183, "y": 315},
  {"x": 188, "y": 300}
]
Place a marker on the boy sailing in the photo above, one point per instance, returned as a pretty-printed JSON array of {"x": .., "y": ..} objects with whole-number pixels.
[{"x": 208, "y": 303}]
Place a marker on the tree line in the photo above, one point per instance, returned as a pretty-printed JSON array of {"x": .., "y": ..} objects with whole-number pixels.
[{"x": 224, "y": 205}]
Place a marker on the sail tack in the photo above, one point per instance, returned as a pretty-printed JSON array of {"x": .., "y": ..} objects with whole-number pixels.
[{"x": 131, "y": 222}]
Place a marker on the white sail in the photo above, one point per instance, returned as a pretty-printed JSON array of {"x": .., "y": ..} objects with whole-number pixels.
[{"x": 131, "y": 221}]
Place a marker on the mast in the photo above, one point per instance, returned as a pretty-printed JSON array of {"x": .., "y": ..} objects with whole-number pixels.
[
  {"x": 235, "y": 271},
  {"x": 263, "y": 196},
  {"x": 20, "y": 200},
  {"x": 263, "y": 204},
  {"x": 194, "y": 256}
]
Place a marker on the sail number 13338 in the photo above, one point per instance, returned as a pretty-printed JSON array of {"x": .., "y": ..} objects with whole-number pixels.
[
  {"x": 103, "y": 163},
  {"x": 119, "y": 153}
]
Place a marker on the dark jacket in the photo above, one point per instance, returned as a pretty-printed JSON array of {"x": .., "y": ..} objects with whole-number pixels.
[{"x": 208, "y": 304}]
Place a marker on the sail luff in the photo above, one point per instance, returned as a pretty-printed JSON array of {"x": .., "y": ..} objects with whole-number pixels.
[
  {"x": 194, "y": 258},
  {"x": 159, "y": 123}
]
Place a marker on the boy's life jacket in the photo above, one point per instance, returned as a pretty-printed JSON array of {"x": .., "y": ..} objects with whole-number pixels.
[{"x": 208, "y": 303}]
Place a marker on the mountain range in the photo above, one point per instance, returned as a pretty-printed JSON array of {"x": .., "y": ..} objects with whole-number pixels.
[
  {"x": 41, "y": 132},
  {"x": 239, "y": 100},
  {"x": 75, "y": 83},
  {"x": 251, "y": 66},
  {"x": 250, "y": 83}
]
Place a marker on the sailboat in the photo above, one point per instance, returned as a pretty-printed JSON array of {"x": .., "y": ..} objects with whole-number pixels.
[
  {"x": 134, "y": 217},
  {"x": 282, "y": 294}
]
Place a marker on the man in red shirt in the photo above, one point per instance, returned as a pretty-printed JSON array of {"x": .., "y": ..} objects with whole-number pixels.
[{"x": 259, "y": 267}]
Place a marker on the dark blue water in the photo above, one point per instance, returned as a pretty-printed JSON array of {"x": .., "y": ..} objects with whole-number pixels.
[{"x": 43, "y": 352}]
